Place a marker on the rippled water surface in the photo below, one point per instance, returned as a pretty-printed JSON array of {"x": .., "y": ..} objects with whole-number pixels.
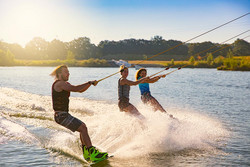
[{"x": 213, "y": 109}]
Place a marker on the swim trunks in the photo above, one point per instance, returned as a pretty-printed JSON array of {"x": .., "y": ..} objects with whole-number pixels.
[{"x": 67, "y": 120}]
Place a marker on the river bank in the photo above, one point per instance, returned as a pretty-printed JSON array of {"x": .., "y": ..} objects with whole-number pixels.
[{"x": 232, "y": 64}]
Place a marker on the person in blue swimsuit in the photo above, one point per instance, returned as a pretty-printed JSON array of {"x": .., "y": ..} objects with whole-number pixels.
[{"x": 146, "y": 96}]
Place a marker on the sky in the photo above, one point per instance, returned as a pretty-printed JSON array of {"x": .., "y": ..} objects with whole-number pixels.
[{"x": 66, "y": 20}]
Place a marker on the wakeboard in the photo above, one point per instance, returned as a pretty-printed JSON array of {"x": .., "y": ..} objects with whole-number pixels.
[{"x": 93, "y": 163}]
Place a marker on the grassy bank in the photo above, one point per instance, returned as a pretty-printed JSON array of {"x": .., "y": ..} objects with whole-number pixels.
[
  {"x": 71, "y": 63},
  {"x": 176, "y": 64},
  {"x": 234, "y": 64}
]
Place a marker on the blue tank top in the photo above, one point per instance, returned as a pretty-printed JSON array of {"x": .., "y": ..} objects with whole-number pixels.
[{"x": 144, "y": 87}]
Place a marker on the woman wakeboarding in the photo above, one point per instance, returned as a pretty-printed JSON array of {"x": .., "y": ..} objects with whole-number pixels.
[
  {"x": 124, "y": 89},
  {"x": 146, "y": 96}
]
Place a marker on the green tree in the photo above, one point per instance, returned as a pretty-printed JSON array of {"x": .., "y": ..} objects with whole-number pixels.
[
  {"x": 70, "y": 55},
  {"x": 241, "y": 48},
  {"x": 136, "y": 49},
  {"x": 196, "y": 48},
  {"x": 210, "y": 59},
  {"x": 10, "y": 57},
  {"x": 219, "y": 60},
  {"x": 6, "y": 58},
  {"x": 157, "y": 38},
  {"x": 244, "y": 64},
  {"x": 37, "y": 49},
  {"x": 192, "y": 60},
  {"x": 17, "y": 50},
  {"x": 172, "y": 61},
  {"x": 57, "y": 50},
  {"x": 230, "y": 54},
  {"x": 224, "y": 49},
  {"x": 233, "y": 64},
  {"x": 82, "y": 48},
  {"x": 2, "y": 57}
]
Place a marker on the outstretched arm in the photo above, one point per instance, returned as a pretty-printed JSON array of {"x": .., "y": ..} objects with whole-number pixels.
[
  {"x": 155, "y": 79},
  {"x": 62, "y": 85},
  {"x": 132, "y": 83}
]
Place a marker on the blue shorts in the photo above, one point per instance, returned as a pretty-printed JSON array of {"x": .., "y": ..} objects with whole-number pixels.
[{"x": 67, "y": 120}]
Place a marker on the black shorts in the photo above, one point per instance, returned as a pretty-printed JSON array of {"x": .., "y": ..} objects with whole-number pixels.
[
  {"x": 123, "y": 103},
  {"x": 146, "y": 97},
  {"x": 67, "y": 120}
]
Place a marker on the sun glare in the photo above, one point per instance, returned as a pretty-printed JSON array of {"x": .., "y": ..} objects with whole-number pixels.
[
  {"x": 47, "y": 19},
  {"x": 26, "y": 20}
]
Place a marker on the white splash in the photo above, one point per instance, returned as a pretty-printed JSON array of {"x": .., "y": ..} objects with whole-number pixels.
[{"x": 111, "y": 130}]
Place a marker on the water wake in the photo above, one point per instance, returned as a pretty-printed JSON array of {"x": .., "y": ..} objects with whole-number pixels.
[{"x": 29, "y": 117}]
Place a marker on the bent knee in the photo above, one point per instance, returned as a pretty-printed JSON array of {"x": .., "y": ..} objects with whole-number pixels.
[{"x": 83, "y": 127}]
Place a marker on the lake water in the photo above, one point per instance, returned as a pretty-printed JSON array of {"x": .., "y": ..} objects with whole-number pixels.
[{"x": 213, "y": 109}]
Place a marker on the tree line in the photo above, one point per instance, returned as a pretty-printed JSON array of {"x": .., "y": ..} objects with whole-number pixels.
[{"x": 127, "y": 49}]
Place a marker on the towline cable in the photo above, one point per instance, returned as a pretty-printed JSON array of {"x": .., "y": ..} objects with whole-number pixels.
[
  {"x": 182, "y": 43},
  {"x": 201, "y": 57},
  {"x": 203, "y": 52}
]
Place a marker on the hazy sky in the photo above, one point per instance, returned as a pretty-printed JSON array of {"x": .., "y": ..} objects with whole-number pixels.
[{"x": 22, "y": 20}]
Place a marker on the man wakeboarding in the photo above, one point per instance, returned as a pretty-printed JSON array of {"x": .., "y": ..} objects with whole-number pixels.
[{"x": 60, "y": 98}]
